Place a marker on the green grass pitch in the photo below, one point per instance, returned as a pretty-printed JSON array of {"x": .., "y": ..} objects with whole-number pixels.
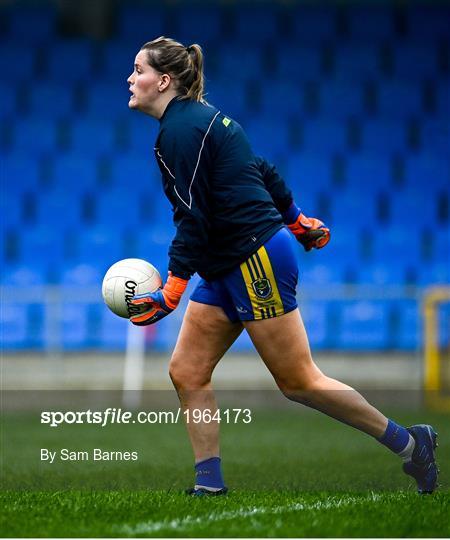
[{"x": 291, "y": 473}]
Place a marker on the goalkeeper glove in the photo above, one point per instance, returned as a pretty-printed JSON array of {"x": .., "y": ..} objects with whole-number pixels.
[
  {"x": 159, "y": 304},
  {"x": 310, "y": 232}
]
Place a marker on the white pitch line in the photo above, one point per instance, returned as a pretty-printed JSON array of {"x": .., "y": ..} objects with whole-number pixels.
[{"x": 148, "y": 527}]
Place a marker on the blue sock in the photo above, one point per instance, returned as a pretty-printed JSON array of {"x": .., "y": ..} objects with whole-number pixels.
[
  {"x": 208, "y": 473},
  {"x": 396, "y": 437}
]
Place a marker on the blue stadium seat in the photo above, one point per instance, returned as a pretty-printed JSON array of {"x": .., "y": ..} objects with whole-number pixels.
[
  {"x": 110, "y": 96},
  {"x": 231, "y": 97},
  {"x": 59, "y": 206},
  {"x": 443, "y": 100},
  {"x": 382, "y": 273},
  {"x": 202, "y": 20},
  {"x": 8, "y": 106},
  {"x": 75, "y": 325},
  {"x": 140, "y": 169},
  {"x": 324, "y": 136},
  {"x": 101, "y": 245},
  {"x": 440, "y": 241},
  {"x": 142, "y": 132},
  {"x": 42, "y": 243},
  {"x": 411, "y": 207},
  {"x": 14, "y": 326},
  {"x": 82, "y": 274},
  {"x": 368, "y": 173},
  {"x": 354, "y": 207},
  {"x": 341, "y": 100},
  {"x": 364, "y": 325},
  {"x": 51, "y": 100},
  {"x": 21, "y": 173},
  {"x": 433, "y": 273},
  {"x": 113, "y": 330},
  {"x": 152, "y": 243},
  {"x": 356, "y": 61},
  {"x": 427, "y": 171},
  {"x": 428, "y": 22},
  {"x": 118, "y": 60},
  {"x": 120, "y": 204},
  {"x": 11, "y": 210},
  {"x": 384, "y": 136},
  {"x": 251, "y": 62},
  {"x": 36, "y": 24},
  {"x": 158, "y": 210},
  {"x": 93, "y": 137},
  {"x": 371, "y": 23},
  {"x": 435, "y": 136},
  {"x": 75, "y": 171},
  {"x": 344, "y": 249},
  {"x": 39, "y": 334},
  {"x": 256, "y": 23},
  {"x": 315, "y": 318},
  {"x": 308, "y": 199},
  {"x": 313, "y": 24},
  {"x": 10, "y": 68},
  {"x": 140, "y": 23},
  {"x": 408, "y": 334},
  {"x": 24, "y": 275},
  {"x": 400, "y": 100},
  {"x": 35, "y": 136},
  {"x": 415, "y": 61},
  {"x": 299, "y": 63},
  {"x": 260, "y": 132},
  {"x": 74, "y": 57},
  {"x": 397, "y": 244},
  {"x": 287, "y": 95},
  {"x": 320, "y": 274},
  {"x": 310, "y": 172}
]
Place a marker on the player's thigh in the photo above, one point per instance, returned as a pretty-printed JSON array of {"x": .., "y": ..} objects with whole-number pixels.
[
  {"x": 283, "y": 345},
  {"x": 205, "y": 336}
]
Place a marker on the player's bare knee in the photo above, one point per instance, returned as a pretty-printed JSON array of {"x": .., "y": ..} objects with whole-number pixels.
[
  {"x": 298, "y": 396},
  {"x": 299, "y": 390},
  {"x": 185, "y": 376}
]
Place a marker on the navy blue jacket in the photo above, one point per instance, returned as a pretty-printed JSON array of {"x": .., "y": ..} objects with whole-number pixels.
[{"x": 226, "y": 202}]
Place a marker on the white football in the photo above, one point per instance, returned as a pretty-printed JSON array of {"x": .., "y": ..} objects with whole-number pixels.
[{"x": 126, "y": 278}]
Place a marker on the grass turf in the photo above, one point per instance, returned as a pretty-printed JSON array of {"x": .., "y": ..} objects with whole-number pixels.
[{"x": 290, "y": 474}]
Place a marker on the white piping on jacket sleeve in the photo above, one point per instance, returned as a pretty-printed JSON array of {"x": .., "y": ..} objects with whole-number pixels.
[
  {"x": 189, "y": 205},
  {"x": 163, "y": 162}
]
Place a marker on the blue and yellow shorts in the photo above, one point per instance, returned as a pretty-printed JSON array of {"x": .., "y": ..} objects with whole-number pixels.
[{"x": 262, "y": 287}]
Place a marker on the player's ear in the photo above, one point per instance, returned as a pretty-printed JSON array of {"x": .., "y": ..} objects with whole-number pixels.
[{"x": 164, "y": 82}]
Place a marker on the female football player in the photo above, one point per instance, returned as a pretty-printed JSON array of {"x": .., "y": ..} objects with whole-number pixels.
[{"x": 230, "y": 209}]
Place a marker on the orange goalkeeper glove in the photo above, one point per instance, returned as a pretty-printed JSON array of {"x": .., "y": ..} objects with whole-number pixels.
[
  {"x": 159, "y": 304},
  {"x": 310, "y": 232}
]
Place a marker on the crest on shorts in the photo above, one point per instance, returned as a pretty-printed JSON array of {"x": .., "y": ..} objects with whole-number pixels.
[{"x": 262, "y": 288}]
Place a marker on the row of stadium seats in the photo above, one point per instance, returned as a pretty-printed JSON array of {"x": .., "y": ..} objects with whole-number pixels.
[
  {"x": 244, "y": 20},
  {"x": 113, "y": 61},
  {"x": 311, "y": 172},
  {"x": 315, "y": 270},
  {"x": 359, "y": 325},
  {"x": 389, "y": 255},
  {"x": 372, "y": 207},
  {"x": 94, "y": 137},
  {"x": 339, "y": 100}
]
